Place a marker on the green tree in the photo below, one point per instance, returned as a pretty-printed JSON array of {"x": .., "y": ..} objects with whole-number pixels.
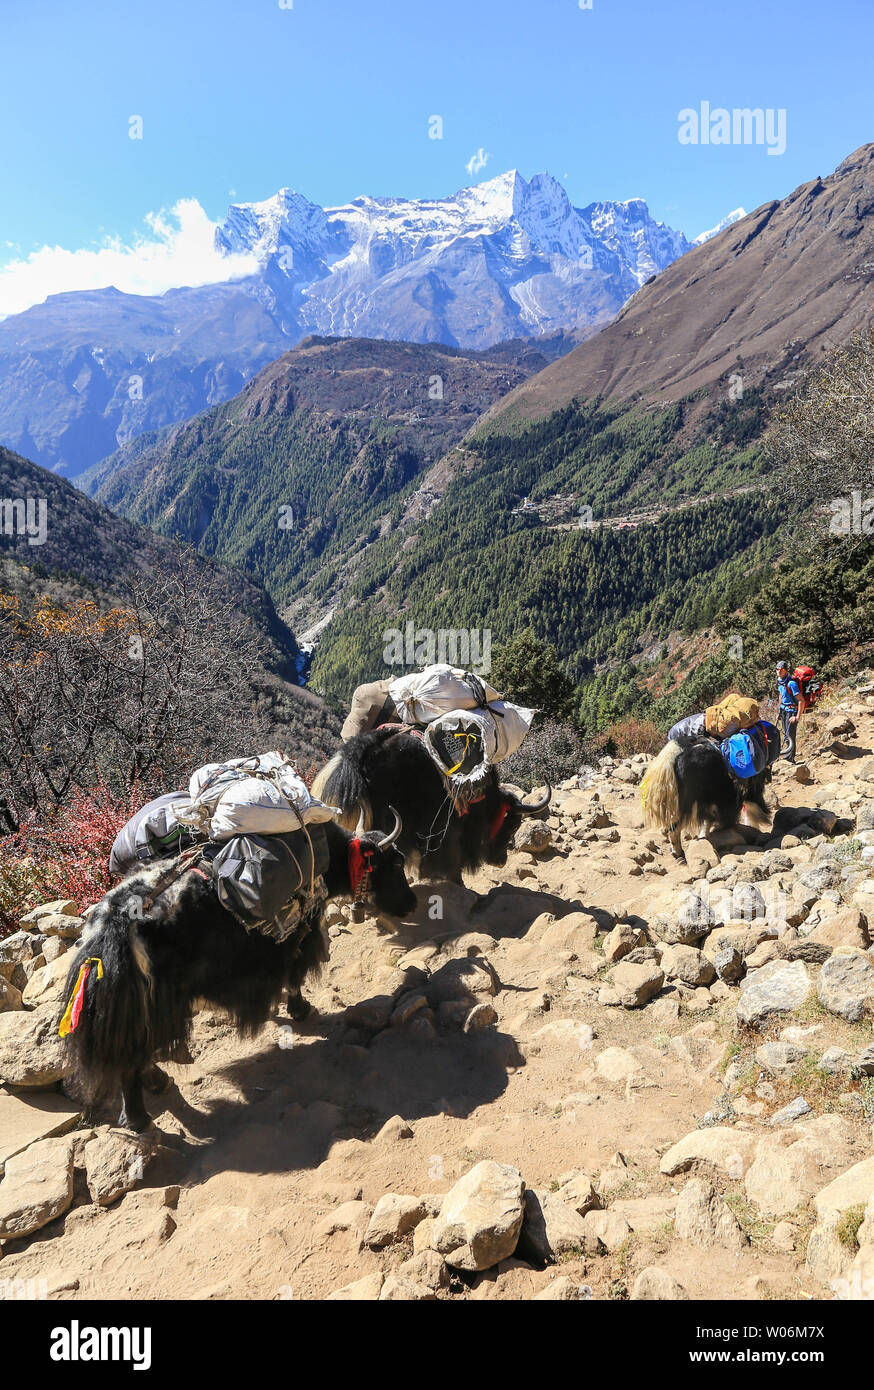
[{"x": 527, "y": 671}]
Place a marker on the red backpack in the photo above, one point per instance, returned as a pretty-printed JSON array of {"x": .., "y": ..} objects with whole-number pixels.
[{"x": 811, "y": 688}]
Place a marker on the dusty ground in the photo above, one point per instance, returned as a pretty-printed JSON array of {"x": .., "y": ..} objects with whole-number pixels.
[{"x": 265, "y": 1139}]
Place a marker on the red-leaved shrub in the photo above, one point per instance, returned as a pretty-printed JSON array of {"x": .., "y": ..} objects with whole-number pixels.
[{"x": 65, "y": 857}]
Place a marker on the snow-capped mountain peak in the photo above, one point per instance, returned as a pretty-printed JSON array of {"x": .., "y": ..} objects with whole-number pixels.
[
  {"x": 728, "y": 221},
  {"x": 500, "y": 258}
]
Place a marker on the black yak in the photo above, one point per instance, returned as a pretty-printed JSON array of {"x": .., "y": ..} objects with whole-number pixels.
[
  {"x": 391, "y": 767},
  {"x": 689, "y": 787},
  {"x": 146, "y": 956}
]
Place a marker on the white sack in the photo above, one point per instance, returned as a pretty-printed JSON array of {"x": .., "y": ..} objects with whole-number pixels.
[{"x": 424, "y": 695}]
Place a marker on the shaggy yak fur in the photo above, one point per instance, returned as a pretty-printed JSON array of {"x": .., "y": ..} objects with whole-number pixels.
[
  {"x": 688, "y": 787},
  {"x": 159, "y": 960},
  {"x": 389, "y": 767}
]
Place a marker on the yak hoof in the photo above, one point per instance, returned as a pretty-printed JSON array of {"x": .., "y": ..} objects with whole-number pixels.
[
  {"x": 299, "y": 1008},
  {"x": 138, "y": 1123}
]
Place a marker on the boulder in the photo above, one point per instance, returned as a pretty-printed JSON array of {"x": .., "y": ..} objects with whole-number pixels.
[
  {"x": 655, "y": 1283},
  {"x": 393, "y": 1217},
  {"x": 607, "y": 1228},
  {"x": 778, "y": 987},
  {"x": 728, "y": 1150},
  {"x": 789, "y": 1163},
  {"x": 703, "y": 1218},
  {"x": 481, "y": 1217},
  {"x": 47, "y": 986},
  {"x": 846, "y": 986},
  {"x": 10, "y": 997},
  {"x": 563, "y": 1290},
  {"x": 60, "y": 906},
  {"x": 635, "y": 984},
  {"x": 534, "y": 836},
  {"x": 780, "y": 1058},
  {"x": 577, "y": 1189},
  {"x": 688, "y": 964},
  {"x": 551, "y": 1229},
  {"x": 622, "y": 939},
  {"x": 115, "y": 1162},
  {"x": 366, "y": 1289},
  {"x": 37, "y": 1187},
  {"x": 31, "y": 1053}
]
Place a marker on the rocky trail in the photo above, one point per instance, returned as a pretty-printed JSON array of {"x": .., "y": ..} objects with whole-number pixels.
[{"x": 615, "y": 1076}]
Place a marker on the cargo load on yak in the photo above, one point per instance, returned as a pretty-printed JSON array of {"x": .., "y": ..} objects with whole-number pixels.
[
  {"x": 750, "y": 751},
  {"x": 730, "y": 716},
  {"x": 466, "y": 743},
  {"x": 254, "y": 825},
  {"x": 424, "y": 695}
]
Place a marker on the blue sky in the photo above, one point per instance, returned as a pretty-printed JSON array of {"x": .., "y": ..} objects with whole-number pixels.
[{"x": 333, "y": 97}]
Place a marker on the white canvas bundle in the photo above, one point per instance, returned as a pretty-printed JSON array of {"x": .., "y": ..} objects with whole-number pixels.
[
  {"x": 501, "y": 733},
  {"x": 424, "y": 695},
  {"x": 262, "y": 795}
]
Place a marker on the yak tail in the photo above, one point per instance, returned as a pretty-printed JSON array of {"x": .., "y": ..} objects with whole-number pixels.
[
  {"x": 340, "y": 783},
  {"x": 112, "y": 1036},
  {"x": 658, "y": 791}
]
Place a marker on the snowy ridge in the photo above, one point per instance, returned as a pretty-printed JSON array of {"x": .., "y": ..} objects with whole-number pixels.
[{"x": 502, "y": 258}]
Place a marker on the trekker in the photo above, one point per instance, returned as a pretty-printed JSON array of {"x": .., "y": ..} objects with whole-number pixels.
[{"x": 792, "y": 704}]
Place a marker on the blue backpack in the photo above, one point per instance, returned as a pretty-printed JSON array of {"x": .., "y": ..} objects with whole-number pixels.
[{"x": 752, "y": 750}]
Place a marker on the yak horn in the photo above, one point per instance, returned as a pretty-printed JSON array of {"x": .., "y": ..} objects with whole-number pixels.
[
  {"x": 361, "y": 827},
  {"x": 390, "y": 838},
  {"x": 537, "y": 805}
]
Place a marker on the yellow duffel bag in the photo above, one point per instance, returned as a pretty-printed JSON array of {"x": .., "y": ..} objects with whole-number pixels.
[{"x": 732, "y": 714}]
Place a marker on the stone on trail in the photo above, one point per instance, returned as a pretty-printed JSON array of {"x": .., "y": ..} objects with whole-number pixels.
[
  {"x": 577, "y": 1189},
  {"x": 533, "y": 836},
  {"x": 703, "y": 1218},
  {"x": 780, "y": 1058},
  {"x": 688, "y": 964},
  {"x": 63, "y": 906},
  {"x": 790, "y": 1163},
  {"x": 348, "y": 1216},
  {"x": 481, "y": 1217},
  {"x": 563, "y": 1290},
  {"x": 608, "y": 1228},
  {"x": 778, "y": 987},
  {"x": 366, "y": 1289},
  {"x": 616, "y": 1064},
  {"x": 48, "y": 985},
  {"x": 793, "y": 1111},
  {"x": 551, "y": 1229},
  {"x": 31, "y": 1053},
  {"x": 24, "y": 1121},
  {"x": 846, "y": 986},
  {"x": 729, "y": 1150},
  {"x": 115, "y": 1162},
  {"x": 393, "y": 1216},
  {"x": 655, "y": 1283},
  {"x": 622, "y": 939},
  {"x": 37, "y": 1187},
  {"x": 634, "y": 985}
]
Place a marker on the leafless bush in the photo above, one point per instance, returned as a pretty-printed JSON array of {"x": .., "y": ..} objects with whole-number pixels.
[{"x": 125, "y": 696}]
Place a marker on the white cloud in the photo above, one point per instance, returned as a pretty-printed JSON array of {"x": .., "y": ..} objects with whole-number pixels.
[
  {"x": 477, "y": 162},
  {"x": 179, "y": 250}
]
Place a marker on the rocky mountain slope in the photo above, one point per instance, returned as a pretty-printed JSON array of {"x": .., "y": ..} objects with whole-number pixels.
[
  {"x": 293, "y": 478},
  {"x": 85, "y": 372},
  {"x": 767, "y": 293},
  {"x": 619, "y": 1077}
]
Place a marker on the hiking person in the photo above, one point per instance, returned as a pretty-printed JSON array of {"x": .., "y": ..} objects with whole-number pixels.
[{"x": 792, "y": 704}]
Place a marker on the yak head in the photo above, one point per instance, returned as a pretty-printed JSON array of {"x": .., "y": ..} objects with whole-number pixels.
[
  {"x": 385, "y": 883},
  {"x": 507, "y": 813}
]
